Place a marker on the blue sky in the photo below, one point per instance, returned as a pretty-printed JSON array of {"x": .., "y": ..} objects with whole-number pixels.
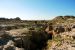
[{"x": 36, "y": 9}]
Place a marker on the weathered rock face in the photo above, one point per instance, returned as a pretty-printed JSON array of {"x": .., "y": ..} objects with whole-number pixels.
[
  {"x": 6, "y": 42},
  {"x": 34, "y": 40},
  {"x": 37, "y": 40},
  {"x": 4, "y": 38}
]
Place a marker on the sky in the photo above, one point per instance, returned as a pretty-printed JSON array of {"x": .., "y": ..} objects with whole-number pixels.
[{"x": 36, "y": 9}]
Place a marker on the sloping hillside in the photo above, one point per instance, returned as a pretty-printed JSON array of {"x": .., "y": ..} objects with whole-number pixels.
[{"x": 63, "y": 19}]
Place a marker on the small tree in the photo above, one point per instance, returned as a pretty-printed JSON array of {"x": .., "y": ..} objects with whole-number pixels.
[{"x": 17, "y": 18}]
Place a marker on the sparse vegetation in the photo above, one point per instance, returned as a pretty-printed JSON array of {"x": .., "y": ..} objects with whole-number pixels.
[{"x": 32, "y": 35}]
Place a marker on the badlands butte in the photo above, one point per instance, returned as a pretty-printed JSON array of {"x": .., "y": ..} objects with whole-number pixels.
[{"x": 55, "y": 34}]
